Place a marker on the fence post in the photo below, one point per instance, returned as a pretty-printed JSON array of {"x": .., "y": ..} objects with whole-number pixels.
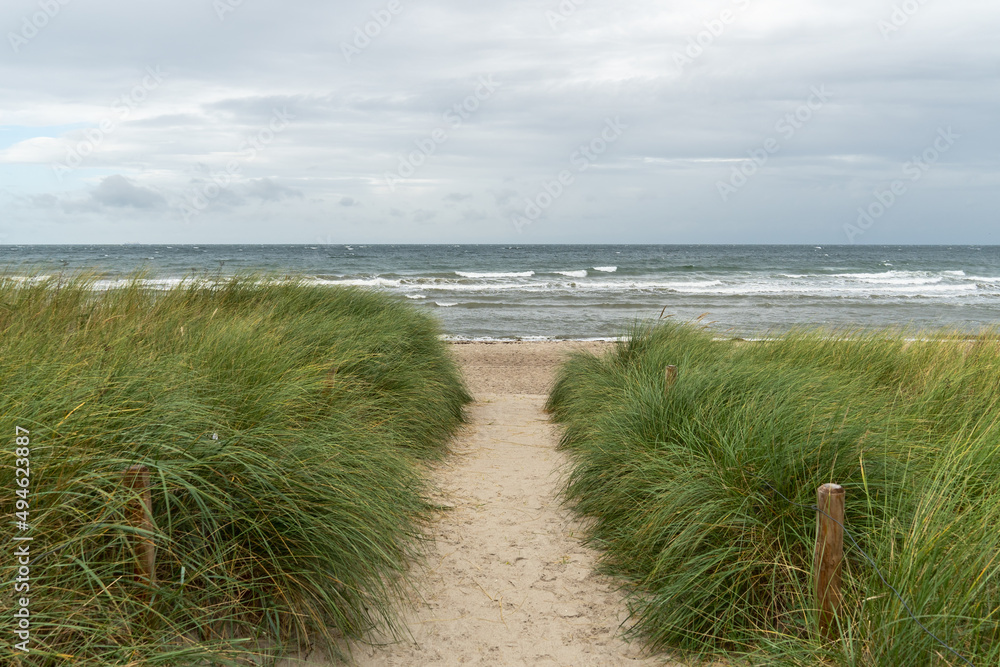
[
  {"x": 829, "y": 555},
  {"x": 141, "y": 516},
  {"x": 671, "y": 376}
]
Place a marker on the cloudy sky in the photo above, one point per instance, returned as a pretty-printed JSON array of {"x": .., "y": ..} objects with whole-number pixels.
[{"x": 529, "y": 121}]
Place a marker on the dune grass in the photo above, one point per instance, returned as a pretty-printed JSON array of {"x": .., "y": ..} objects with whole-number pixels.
[
  {"x": 685, "y": 488},
  {"x": 285, "y": 428}
]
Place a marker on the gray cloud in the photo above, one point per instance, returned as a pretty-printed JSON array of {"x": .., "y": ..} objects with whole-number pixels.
[
  {"x": 44, "y": 201},
  {"x": 118, "y": 191},
  {"x": 265, "y": 189},
  {"x": 689, "y": 125}
]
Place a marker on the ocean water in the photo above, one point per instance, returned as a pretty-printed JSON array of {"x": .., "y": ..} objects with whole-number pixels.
[{"x": 596, "y": 291}]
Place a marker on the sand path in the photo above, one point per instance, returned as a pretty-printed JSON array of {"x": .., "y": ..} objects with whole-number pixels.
[{"x": 507, "y": 580}]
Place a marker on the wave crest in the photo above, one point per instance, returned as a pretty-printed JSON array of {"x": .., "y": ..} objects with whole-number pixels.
[{"x": 511, "y": 274}]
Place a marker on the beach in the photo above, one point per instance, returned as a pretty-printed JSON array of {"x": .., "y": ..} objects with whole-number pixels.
[{"x": 511, "y": 367}]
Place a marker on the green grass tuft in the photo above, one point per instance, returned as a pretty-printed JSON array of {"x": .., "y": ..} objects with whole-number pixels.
[
  {"x": 294, "y": 527},
  {"x": 683, "y": 486}
]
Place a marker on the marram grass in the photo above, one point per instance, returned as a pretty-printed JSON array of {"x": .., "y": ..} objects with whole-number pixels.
[
  {"x": 284, "y": 427},
  {"x": 684, "y": 486}
]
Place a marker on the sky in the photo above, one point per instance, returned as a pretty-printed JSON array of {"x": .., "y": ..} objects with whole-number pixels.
[{"x": 510, "y": 121}]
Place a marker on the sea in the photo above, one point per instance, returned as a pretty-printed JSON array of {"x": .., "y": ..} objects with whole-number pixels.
[{"x": 587, "y": 292}]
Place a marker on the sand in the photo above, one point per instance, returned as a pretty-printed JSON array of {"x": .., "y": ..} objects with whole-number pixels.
[{"x": 507, "y": 579}]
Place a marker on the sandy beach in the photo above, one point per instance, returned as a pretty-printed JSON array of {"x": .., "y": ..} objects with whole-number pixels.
[{"x": 508, "y": 581}]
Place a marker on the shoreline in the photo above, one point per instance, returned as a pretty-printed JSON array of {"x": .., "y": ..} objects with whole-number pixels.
[
  {"x": 986, "y": 335},
  {"x": 516, "y": 367},
  {"x": 529, "y": 340}
]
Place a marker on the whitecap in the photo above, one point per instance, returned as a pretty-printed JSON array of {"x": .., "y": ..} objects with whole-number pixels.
[
  {"x": 358, "y": 282},
  {"x": 151, "y": 283},
  {"x": 606, "y": 269},
  {"x": 415, "y": 296},
  {"x": 446, "y": 304},
  {"x": 573, "y": 274},
  {"x": 512, "y": 274}
]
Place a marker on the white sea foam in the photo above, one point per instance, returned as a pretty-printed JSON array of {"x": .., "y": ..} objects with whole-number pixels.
[
  {"x": 859, "y": 285},
  {"x": 153, "y": 283},
  {"x": 29, "y": 280},
  {"x": 512, "y": 274},
  {"x": 376, "y": 281},
  {"x": 844, "y": 290},
  {"x": 606, "y": 269},
  {"x": 894, "y": 277},
  {"x": 458, "y": 338}
]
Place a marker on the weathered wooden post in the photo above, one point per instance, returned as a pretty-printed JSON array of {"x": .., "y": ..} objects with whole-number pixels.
[
  {"x": 671, "y": 375},
  {"x": 829, "y": 555},
  {"x": 140, "y": 514}
]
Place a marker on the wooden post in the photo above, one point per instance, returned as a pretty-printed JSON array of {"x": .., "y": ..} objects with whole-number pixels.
[
  {"x": 829, "y": 555},
  {"x": 671, "y": 376},
  {"x": 141, "y": 516}
]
